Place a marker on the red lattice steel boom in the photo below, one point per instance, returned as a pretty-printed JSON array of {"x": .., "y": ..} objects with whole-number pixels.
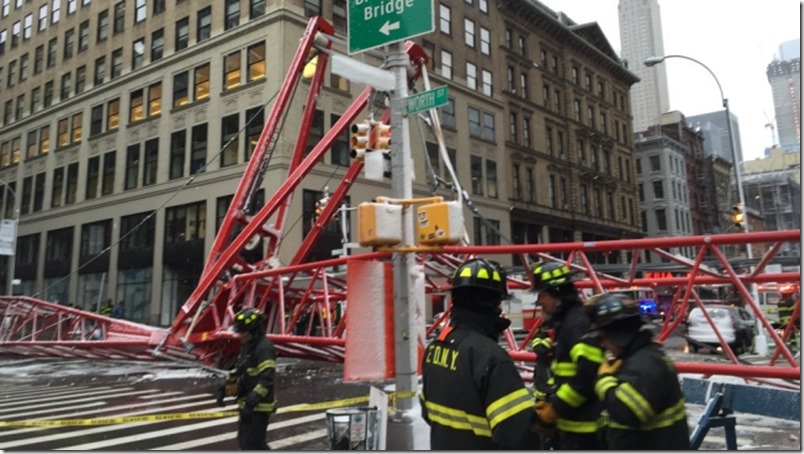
[{"x": 300, "y": 298}]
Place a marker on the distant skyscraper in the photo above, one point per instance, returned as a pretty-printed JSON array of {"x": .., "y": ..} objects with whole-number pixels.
[
  {"x": 784, "y": 76},
  {"x": 640, "y": 38},
  {"x": 716, "y": 134}
]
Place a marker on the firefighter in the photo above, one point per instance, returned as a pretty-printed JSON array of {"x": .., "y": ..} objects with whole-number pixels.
[
  {"x": 639, "y": 385},
  {"x": 573, "y": 409},
  {"x": 256, "y": 367},
  {"x": 786, "y": 305},
  {"x": 543, "y": 380},
  {"x": 472, "y": 394}
]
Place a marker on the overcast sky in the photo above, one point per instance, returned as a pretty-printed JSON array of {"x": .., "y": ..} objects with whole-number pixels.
[{"x": 736, "y": 39}]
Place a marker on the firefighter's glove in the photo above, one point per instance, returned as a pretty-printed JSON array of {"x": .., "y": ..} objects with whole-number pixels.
[
  {"x": 546, "y": 414},
  {"x": 543, "y": 347},
  {"x": 247, "y": 415},
  {"x": 609, "y": 367},
  {"x": 220, "y": 394}
]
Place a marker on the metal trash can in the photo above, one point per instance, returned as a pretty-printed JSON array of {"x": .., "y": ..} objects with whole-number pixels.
[{"x": 353, "y": 429}]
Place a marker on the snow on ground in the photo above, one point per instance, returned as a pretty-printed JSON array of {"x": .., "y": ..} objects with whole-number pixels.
[{"x": 754, "y": 432}]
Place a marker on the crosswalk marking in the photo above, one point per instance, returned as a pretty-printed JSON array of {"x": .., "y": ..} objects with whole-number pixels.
[
  {"x": 81, "y": 405},
  {"x": 106, "y": 410},
  {"x": 101, "y": 429},
  {"x": 59, "y": 400},
  {"x": 229, "y": 436},
  {"x": 28, "y": 397},
  {"x": 284, "y": 443}
]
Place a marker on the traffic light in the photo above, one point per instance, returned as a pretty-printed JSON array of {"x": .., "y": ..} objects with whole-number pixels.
[
  {"x": 360, "y": 139},
  {"x": 381, "y": 134},
  {"x": 320, "y": 204},
  {"x": 738, "y": 217}
]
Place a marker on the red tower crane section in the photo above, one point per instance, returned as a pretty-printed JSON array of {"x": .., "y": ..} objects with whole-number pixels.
[{"x": 301, "y": 299}]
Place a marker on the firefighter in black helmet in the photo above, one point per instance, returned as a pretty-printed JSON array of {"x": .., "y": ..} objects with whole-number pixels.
[
  {"x": 639, "y": 386},
  {"x": 472, "y": 394},
  {"x": 256, "y": 367},
  {"x": 573, "y": 410}
]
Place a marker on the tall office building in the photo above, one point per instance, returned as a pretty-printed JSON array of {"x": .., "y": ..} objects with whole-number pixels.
[
  {"x": 640, "y": 38},
  {"x": 713, "y": 125},
  {"x": 784, "y": 76}
]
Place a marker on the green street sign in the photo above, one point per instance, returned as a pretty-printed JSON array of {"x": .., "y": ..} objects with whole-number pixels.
[
  {"x": 427, "y": 100},
  {"x": 374, "y": 23}
]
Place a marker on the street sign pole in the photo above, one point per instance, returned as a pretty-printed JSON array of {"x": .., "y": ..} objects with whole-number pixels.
[{"x": 401, "y": 434}]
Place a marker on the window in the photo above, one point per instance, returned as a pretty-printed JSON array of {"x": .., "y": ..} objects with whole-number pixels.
[
  {"x": 72, "y": 183},
  {"x": 140, "y": 11},
  {"x": 316, "y": 131},
  {"x": 577, "y": 105},
  {"x": 512, "y": 126},
  {"x": 27, "y": 26},
  {"x": 62, "y": 135},
  {"x": 57, "y": 192},
  {"x": 27, "y": 190},
  {"x": 157, "y": 44},
  {"x": 483, "y": 6},
  {"x": 35, "y": 98},
  {"x": 23, "y": 67},
  {"x": 51, "y": 53},
  {"x": 42, "y": 24},
  {"x": 448, "y": 114},
  {"x": 523, "y": 83},
  {"x": 65, "y": 86},
  {"x": 204, "y": 24},
  {"x": 584, "y": 199},
  {"x": 231, "y": 65},
  {"x": 488, "y": 127},
  {"x": 529, "y": 186},
  {"x": 201, "y": 78},
  {"x": 96, "y": 121},
  {"x": 487, "y": 82},
  {"x": 117, "y": 63},
  {"x": 521, "y": 45},
  {"x": 119, "y": 17},
  {"x": 182, "y": 33},
  {"x": 93, "y": 177},
  {"x": 230, "y": 142},
  {"x": 476, "y": 167},
  {"x": 103, "y": 25},
  {"x": 185, "y": 223},
  {"x": 485, "y": 41},
  {"x": 588, "y": 82},
  {"x": 655, "y": 163},
  {"x": 491, "y": 178},
  {"x": 591, "y": 114},
  {"x": 254, "y": 126},
  {"x": 232, "y": 14},
  {"x": 661, "y": 219},
  {"x": 445, "y": 19},
  {"x": 546, "y": 96},
  {"x": 100, "y": 68},
  {"x": 256, "y": 8},
  {"x": 138, "y": 54},
  {"x": 198, "y": 157},
  {"x": 517, "y": 187},
  {"x": 446, "y": 64},
  {"x": 159, "y": 6},
  {"x": 256, "y": 62},
  {"x": 72, "y": 5},
  {"x": 474, "y": 122},
  {"x": 549, "y": 138},
  {"x": 312, "y": 8},
  {"x": 180, "y": 89},
  {"x": 339, "y": 16},
  {"x": 339, "y": 153},
  {"x": 509, "y": 39},
  {"x": 471, "y": 75},
  {"x": 76, "y": 131},
  {"x": 55, "y": 12},
  {"x": 83, "y": 36},
  {"x": 47, "y": 98},
  {"x": 151, "y": 162},
  {"x": 469, "y": 33},
  {"x": 155, "y": 99},
  {"x": 132, "y": 167},
  {"x": 136, "y": 109},
  {"x": 658, "y": 189},
  {"x": 581, "y": 151},
  {"x": 509, "y": 77},
  {"x": 178, "y": 144},
  {"x": 526, "y": 132},
  {"x": 39, "y": 56},
  {"x": 112, "y": 114},
  {"x": 551, "y": 191}
]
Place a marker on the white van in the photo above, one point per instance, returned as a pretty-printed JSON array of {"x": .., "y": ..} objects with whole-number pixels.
[{"x": 735, "y": 324}]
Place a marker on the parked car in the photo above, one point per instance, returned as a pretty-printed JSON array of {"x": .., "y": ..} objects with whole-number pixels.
[{"x": 735, "y": 324}]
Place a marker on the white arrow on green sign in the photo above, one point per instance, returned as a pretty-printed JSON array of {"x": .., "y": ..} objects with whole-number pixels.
[
  {"x": 426, "y": 100},
  {"x": 374, "y": 23}
]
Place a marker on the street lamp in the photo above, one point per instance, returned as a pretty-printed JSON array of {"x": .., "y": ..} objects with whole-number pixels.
[
  {"x": 651, "y": 61},
  {"x": 12, "y": 257}
]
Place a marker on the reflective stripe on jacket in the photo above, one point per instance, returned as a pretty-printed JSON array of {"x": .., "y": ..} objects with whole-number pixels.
[
  {"x": 644, "y": 402},
  {"x": 473, "y": 396},
  {"x": 577, "y": 357},
  {"x": 257, "y": 369}
]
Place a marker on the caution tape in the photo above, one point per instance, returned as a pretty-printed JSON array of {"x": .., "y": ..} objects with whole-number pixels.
[{"x": 197, "y": 415}]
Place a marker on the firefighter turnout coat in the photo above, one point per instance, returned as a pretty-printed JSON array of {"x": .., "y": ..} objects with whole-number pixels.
[
  {"x": 644, "y": 401},
  {"x": 256, "y": 370},
  {"x": 472, "y": 395},
  {"x": 577, "y": 358}
]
